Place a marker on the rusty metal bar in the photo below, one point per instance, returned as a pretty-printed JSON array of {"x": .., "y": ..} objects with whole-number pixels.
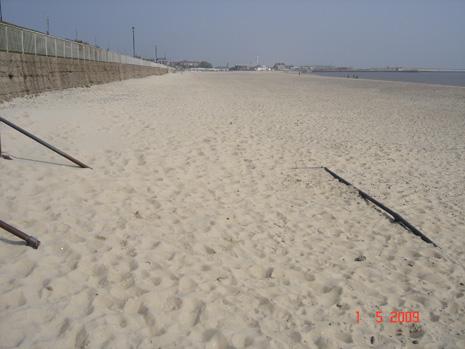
[
  {"x": 45, "y": 144},
  {"x": 3, "y": 155},
  {"x": 397, "y": 217},
  {"x": 30, "y": 240}
]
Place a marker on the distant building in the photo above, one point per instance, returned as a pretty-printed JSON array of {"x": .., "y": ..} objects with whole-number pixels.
[
  {"x": 221, "y": 68},
  {"x": 280, "y": 66},
  {"x": 239, "y": 68},
  {"x": 262, "y": 68},
  {"x": 192, "y": 65},
  {"x": 186, "y": 64},
  {"x": 162, "y": 61}
]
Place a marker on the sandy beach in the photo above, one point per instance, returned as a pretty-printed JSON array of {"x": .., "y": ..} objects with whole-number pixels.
[{"x": 204, "y": 224}]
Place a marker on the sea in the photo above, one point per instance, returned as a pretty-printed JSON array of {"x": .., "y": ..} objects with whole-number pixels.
[{"x": 436, "y": 77}]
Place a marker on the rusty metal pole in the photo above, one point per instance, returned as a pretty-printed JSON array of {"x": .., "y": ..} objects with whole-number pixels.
[
  {"x": 3, "y": 155},
  {"x": 30, "y": 240},
  {"x": 45, "y": 144},
  {"x": 397, "y": 218}
]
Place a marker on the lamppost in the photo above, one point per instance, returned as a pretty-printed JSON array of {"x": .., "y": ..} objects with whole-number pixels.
[
  {"x": 133, "y": 43},
  {"x": 1, "y": 16}
]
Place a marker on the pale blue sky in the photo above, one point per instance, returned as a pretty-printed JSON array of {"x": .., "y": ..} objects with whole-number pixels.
[{"x": 422, "y": 33}]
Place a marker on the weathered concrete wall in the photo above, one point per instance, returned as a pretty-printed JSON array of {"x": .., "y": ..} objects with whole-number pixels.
[{"x": 22, "y": 74}]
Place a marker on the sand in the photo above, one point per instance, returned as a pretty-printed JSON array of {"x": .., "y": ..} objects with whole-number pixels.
[{"x": 203, "y": 225}]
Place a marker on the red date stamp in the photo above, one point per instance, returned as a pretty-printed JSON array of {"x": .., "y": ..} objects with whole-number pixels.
[{"x": 393, "y": 317}]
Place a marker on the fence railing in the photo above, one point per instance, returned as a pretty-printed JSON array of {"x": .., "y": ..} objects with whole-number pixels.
[{"x": 22, "y": 40}]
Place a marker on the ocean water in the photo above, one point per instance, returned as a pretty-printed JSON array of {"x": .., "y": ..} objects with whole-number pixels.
[{"x": 440, "y": 78}]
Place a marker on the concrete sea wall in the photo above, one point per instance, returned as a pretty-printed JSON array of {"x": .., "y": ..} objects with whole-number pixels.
[{"x": 23, "y": 74}]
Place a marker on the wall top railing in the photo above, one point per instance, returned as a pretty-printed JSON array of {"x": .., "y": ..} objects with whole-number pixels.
[{"x": 17, "y": 39}]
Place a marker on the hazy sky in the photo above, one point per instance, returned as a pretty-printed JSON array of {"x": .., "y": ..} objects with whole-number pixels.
[{"x": 422, "y": 33}]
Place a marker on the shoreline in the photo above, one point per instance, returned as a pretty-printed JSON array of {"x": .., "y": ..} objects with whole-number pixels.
[{"x": 384, "y": 80}]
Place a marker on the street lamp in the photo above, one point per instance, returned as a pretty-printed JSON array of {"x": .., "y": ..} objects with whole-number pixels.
[
  {"x": 1, "y": 17},
  {"x": 133, "y": 43}
]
